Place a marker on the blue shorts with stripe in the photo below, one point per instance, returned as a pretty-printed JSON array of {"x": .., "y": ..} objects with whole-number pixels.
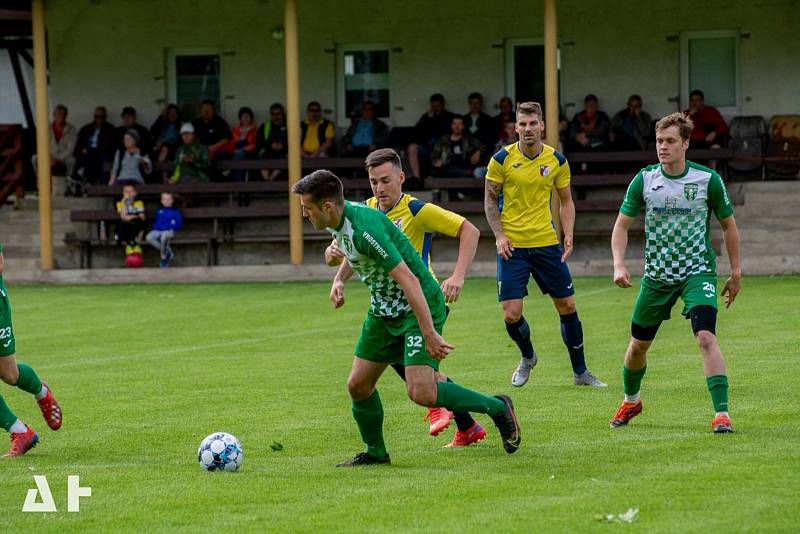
[{"x": 543, "y": 263}]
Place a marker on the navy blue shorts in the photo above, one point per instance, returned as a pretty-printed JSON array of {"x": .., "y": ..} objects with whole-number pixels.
[{"x": 543, "y": 263}]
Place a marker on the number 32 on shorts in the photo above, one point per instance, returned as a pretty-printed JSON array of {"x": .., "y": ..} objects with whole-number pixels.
[
  {"x": 710, "y": 290},
  {"x": 415, "y": 344}
]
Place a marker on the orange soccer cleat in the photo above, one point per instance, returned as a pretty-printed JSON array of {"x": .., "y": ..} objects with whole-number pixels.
[
  {"x": 22, "y": 442},
  {"x": 440, "y": 419},
  {"x": 462, "y": 439},
  {"x": 626, "y": 412}
]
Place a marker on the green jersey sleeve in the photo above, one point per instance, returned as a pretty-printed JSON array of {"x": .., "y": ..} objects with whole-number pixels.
[
  {"x": 633, "y": 202},
  {"x": 718, "y": 199},
  {"x": 376, "y": 243}
]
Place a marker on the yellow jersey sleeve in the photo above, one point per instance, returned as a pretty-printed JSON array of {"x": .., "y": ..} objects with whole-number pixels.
[
  {"x": 433, "y": 218},
  {"x": 562, "y": 179},
  {"x": 330, "y": 133},
  {"x": 496, "y": 173}
]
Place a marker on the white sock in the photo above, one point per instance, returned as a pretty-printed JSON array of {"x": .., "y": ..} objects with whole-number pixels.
[
  {"x": 18, "y": 427},
  {"x": 42, "y": 394},
  {"x": 723, "y": 413},
  {"x": 632, "y": 398}
]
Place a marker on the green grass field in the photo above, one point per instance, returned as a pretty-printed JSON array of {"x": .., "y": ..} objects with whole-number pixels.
[{"x": 144, "y": 373}]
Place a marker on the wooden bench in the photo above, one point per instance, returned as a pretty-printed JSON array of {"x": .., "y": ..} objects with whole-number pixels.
[
  {"x": 221, "y": 229},
  {"x": 471, "y": 207}
]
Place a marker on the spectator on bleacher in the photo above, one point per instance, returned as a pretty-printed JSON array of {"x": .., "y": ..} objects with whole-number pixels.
[
  {"x": 271, "y": 139},
  {"x": 479, "y": 124},
  {"x": 366, "y": 133},
  {"x": 508, "y": 136},
  {"x": 505, "y": 116},
  {"x": 168, "y": 221},
  {"x": 94, "y": 148},
  {"x": 458, "y": 153},
  {"x": 317, "y": 133},
  {"x": 242, "y": 144},
  {"x": 212, "y": 130},
  {"x": 192, "y": 162},
  {"x": 63, "y": 137},
  {"x": 130, "y": 164},
  {"x": 166, "y": 132},
  {"x": 432, "y": 125},
  {"x": 128, "y": 115},
  {"x": 129, "y": 230},
  {"x": 710, "y": 130},
  {"x": 631, "y": 128},
  {"x": 589, "y": 128}
]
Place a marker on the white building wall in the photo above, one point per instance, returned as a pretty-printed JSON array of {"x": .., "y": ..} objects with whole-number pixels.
[{"x": 112, "y": 52}]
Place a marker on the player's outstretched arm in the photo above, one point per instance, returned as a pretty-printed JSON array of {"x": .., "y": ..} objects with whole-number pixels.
[
  {"x": 566, "y": 214},
  {"x": 492, "y": 209},
  {"x": 619, "y": 242},
  {"x": 468, "y": 236},
  {"x": 337, "y": 288},
  {"x": 435, "y": 344},
  {"x": 730, "y": 233},
  {"x": 333, "y": 254}
]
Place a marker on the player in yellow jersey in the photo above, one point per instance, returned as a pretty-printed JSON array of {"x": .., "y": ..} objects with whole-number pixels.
[
  {"x": 519, "y": 182},
  {"x": 418, "y": 220}
]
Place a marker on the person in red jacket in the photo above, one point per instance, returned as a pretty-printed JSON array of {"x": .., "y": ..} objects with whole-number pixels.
[
  {"x": 243, "y": 141},
  {"x": 710, "y": 130}
]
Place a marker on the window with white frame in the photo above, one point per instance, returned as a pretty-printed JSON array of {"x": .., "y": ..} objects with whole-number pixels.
[
  {"x": 194, "y": 75},
  {"x": 710, "y": 62},
  {"x": 362, "y": 74}
]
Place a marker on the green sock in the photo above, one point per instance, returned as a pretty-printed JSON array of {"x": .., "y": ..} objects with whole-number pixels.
[
  {"x": 28, "y": 379},
  {"x": 368, "y": 414},
  {"x": 718, "y": 387},
  {"x": 7, "y": 417},
  {"x": 632, "y": 379},
  {"x": 457, "y": 398}
]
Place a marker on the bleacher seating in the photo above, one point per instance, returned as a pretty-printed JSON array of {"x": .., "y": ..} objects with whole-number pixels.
[{"x": 783, "y": 150}]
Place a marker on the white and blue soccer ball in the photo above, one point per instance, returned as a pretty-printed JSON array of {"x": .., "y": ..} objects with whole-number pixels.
[{"x": 220, "y": 452}]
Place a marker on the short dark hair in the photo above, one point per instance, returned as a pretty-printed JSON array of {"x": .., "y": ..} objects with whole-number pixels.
[
  {"x": 635, "y": 97},
  {"x": 589, "y": 98},
  {"x": 474, "y": 95},
  {"x": 383, "y": 155},
  {"x": 130, "y": 184},
  {"x": 322, "y": 185},
  {"x": 245, "y": 109},
  {"x": 128, "y": 110},
  {"x": 277, "y": 105},
  {"x": 697, "y": 92},
  {"x": 437, "y": 97},
  {"x": 314, "y": 103},
  {"x": 529, "y": 108},
  {"x": 61, "y": 107},
  {"x": 209, "y": 102},
  {"x": 457, "y": 116},
  {"x": 368, "y": 103}
]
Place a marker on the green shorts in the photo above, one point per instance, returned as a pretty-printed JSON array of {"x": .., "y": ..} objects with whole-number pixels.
[
  {"x": 656, "y": 299},
  {"x": 397, "y": 340},
  {"x": 7, "y": 344}
]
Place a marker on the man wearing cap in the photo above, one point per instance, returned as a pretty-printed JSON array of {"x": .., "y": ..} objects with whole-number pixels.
[
  {"x": 191, "y": 160},
  {"x": 145, "y": 143}
]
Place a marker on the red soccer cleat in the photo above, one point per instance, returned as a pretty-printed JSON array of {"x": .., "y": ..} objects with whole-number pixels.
[
  {"x": 626, "y": 412},
  {"x": 50, "y": 409},
  {"x": 440, "y": 419},
  {"x": 721, "y": 424},
  {"x": 462, "y": 439},
  {"x": 22, "y": 442}
]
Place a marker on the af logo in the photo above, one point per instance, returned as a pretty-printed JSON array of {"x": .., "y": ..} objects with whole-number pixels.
[
  {"x": 348, "y": 244},
  {"x": 544, "y": 170},
  {"x": 398, "y": 222},
  {"x": 690, "y": 191}
]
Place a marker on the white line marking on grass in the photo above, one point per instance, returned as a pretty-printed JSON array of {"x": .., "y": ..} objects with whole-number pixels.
[{"x": 161, "y": 352}]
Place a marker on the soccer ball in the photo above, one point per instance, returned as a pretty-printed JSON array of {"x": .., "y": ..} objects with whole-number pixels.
[{"x": 220, "y": 451}]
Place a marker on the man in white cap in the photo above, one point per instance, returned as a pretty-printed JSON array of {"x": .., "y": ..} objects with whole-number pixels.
[{"x": 191, "y": 160}]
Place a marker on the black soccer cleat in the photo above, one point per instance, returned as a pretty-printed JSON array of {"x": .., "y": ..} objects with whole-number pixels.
[
  {"x": 365, "y": 458},
  {"x": 506, "y": 422}
]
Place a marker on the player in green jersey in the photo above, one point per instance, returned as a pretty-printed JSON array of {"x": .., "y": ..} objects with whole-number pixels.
[
  {"x": 678, "y": 198},
  {"x": 21, "y": 375},
  {"x": 404, "y": 322},
  {"x": 419, "y": 221}
]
